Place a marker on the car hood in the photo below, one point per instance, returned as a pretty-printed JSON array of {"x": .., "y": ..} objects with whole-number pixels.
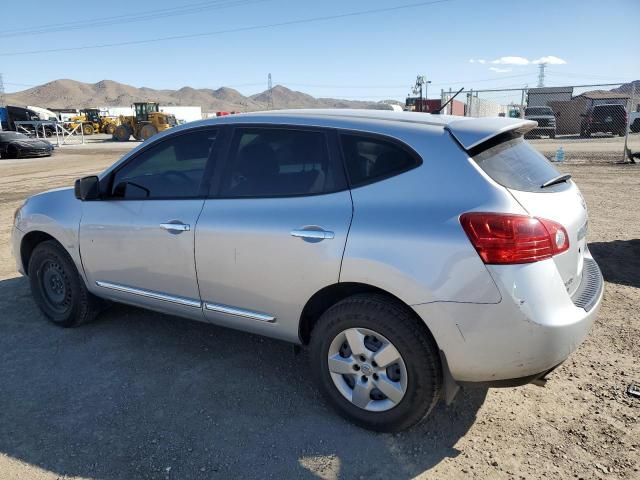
[{"x": 59, "y": 192}]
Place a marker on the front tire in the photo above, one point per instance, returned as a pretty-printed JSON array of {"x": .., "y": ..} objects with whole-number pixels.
[
  {"x": 57, "y": 287},
  {"x": 375, "y": 363},
  {"x": 122, "y": 133}
]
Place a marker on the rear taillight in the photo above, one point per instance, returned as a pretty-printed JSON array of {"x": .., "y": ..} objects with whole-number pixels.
[{"x": 501, "y": 238}]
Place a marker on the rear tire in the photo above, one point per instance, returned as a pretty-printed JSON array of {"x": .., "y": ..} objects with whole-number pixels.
[
  {"x": 109, "y": 129},
  {"x": 57, "y": 287},
  {"x": 384, "y": 321}
]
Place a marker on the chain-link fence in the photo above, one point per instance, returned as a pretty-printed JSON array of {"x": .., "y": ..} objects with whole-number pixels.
[{"x": 576, "y": 123}]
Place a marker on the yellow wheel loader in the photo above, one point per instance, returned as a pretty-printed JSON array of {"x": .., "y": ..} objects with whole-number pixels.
[
  {"x": 92, "y": 122},
  {"x": 147, "y": 121}
]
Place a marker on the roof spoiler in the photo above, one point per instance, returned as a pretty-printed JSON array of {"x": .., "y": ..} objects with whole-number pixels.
[{"x": 478, "y": 134}]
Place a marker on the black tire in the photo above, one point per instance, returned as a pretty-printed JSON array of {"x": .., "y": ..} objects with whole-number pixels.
[
  {"x": 403, "y": 329},
  {"x": 552, "y": 136},
  {"x": 635, "y": 126},
  {"x": 122, "y": 133},
  {"x": 65, "y": 300}
]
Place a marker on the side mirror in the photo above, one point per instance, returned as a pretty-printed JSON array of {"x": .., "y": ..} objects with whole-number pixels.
[{"x": 87, "y": 188}]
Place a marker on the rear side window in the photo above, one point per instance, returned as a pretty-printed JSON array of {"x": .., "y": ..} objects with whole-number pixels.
[
  {"x": 516, "y": 164},
  {"x": 276, "y": 162},
  {"x": 369, "y": 159}
]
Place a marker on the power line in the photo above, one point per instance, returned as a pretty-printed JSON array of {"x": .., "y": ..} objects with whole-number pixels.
[
  {"x": 120, "y": 19},
  {"x": 233, "y": 30}
]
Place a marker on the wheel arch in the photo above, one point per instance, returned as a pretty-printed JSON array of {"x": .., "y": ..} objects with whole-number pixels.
[
  {"x": 332, "y": 294},
  {"x": 28, "y": 244}
]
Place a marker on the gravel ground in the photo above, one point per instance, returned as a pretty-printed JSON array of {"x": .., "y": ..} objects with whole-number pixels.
[{"x": 140, "y": 395}]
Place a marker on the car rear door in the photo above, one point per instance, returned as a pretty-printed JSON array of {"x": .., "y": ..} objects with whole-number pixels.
[
  {"x": 274, "y": 231},
  {"x": 137, "y": 242}
]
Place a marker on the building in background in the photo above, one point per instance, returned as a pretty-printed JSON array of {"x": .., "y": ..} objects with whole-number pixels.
[{"x": 540, "y": 97}]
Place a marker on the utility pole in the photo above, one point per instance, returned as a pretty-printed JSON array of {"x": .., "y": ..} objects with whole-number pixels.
[
  {"x": 270, "y": 87},
  {"x": 541, "y": 67},
  {"x": 1, "y": 90}
]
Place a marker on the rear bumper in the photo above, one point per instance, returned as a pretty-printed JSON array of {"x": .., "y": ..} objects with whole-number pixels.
[{"x": 535, "y": 327}]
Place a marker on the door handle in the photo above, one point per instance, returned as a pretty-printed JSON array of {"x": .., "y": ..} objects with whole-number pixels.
[
  {"x": 313, "y": 234},
  {"x": 175, "y": 227}
]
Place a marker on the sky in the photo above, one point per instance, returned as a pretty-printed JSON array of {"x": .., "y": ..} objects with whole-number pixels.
[{"x": 328, "y": 48}]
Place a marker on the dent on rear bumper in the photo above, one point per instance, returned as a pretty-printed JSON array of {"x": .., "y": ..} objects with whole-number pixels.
[{"x": 534, "y": 328}]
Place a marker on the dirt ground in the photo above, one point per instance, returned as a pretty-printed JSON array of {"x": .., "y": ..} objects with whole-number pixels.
[{"x": 140, "y": 395}]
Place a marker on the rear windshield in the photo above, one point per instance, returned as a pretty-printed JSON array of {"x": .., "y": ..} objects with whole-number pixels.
[
  {"x": 517, "y": 165},
  {"x": 538, "y": 111}
]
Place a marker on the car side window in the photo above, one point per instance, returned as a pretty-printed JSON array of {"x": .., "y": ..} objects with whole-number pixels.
[
  {"x": 173, "y": 168},
  {"x": 272, "y": 162},
  {"x": 370, "y": 158}
]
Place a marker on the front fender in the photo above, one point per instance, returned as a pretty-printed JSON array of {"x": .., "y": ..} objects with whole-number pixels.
[{"x": 56, "y": 213}]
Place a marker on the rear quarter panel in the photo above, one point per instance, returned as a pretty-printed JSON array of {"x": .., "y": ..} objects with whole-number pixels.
[{"x": 406, "y": 237}]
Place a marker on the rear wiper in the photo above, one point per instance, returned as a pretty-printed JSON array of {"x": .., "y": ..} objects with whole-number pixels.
[{"x": 556, "y": 180}]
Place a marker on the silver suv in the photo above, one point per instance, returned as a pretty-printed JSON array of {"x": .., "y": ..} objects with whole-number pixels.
[{"x": 412, "y": 253}]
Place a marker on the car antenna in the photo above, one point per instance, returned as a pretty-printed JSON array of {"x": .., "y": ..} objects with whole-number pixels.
[{"x": 435, "y": 112}]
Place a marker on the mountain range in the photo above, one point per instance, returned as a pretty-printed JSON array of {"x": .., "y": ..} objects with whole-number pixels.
[{"x": 66, "y": 93}]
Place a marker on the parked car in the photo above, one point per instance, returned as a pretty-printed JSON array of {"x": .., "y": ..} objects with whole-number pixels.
[
  {"x": 18, "y": 145},
  {"x": 411, "y": 253},
  {"x": 19, "y": 114},
  {"x": 605, "y": 119},
  {"x": 634, "y": 122},
  {"x": 546, "y": 121}
]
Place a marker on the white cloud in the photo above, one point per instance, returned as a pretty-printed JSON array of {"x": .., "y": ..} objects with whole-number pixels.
[
  {"x": 482, "y": 61},
  {"x": 479, "y": 60},
  {"x": 511, "y": 61},
  {"x": 551, "y": 60},
  {"x": 471, "y": 60},
  {"x": 499, "y": 70}
]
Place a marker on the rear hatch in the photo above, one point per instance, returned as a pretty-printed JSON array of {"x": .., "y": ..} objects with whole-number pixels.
[
  {"x": 523, "y": 171},
  {"x": 609, "y": 115}
]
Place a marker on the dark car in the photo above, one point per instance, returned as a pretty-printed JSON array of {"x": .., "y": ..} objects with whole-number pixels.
[
  {"x": 545, "y": 118},
  {"x": 605, "y": 119},
  {"x": 17, "y": 145}
]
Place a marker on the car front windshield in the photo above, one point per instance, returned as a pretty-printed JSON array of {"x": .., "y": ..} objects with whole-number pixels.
[{"x": 6, "y": 136}]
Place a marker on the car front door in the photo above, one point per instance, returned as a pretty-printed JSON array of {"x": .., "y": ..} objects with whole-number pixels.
[
  {"x": 137, "y": 241},
  {"x": 275, "y": 230}
]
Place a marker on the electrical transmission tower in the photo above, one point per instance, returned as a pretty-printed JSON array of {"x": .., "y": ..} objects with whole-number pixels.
[
  {"x": 541, "y": 67},
  {"x": 270, "y": 88}
]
